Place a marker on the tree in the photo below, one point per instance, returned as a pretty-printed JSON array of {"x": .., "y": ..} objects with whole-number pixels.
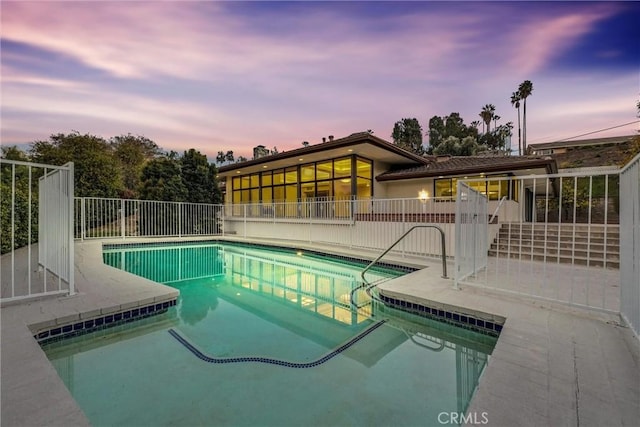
[
  {"x": 486, "y": 115},
  {"x": 162, "y": 180},
  {"x": 495, "y": 120},
  {"x": 241, "y": 159},
  {"x": 133, "y": 152},
  {"x": 221, "y": 157},
  {"x": 525, "y": 90},
  {"x": 453, "y": 146},
  {"x": 436, "y": 132},
  {"x": 15, "y": 227},
  {"x": 198, "y": 178},
  {"x": 97, "y": 171},
  {"x": 496, "y": 139},
  {"x": 229, "y": 156},
  {"x": 440, "y": 128},
  {"x": 407, "y": 134},
  {"x": 515, "y": 101}
]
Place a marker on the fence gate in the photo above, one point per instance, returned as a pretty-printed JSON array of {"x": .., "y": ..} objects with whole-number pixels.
[
  {"x": 471, "y": 232},
  {"x": 630, "y": 244},
  {"x": 37, "y": 230}
]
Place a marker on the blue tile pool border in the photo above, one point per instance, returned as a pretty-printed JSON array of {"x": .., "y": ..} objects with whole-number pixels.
[
  {"x": 455, "y": 318},
  {"x": 81, "y": 327},
  {"x": 463, "y": 320}
]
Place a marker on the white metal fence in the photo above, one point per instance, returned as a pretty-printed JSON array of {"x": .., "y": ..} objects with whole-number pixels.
[
  {"x": 564, "y": 245},
  {"x": 373, "y": 224},
  {"x": 556, "y": 237},
  {"x": 36, "y": 232},
  {"x": 97, "y": 218},
  {"x": 630, "y": 244},
  {"x": 470, "y": 232}
]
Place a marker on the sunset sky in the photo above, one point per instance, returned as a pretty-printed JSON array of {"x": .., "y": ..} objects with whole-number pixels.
[{"x": 231, "y": 75}]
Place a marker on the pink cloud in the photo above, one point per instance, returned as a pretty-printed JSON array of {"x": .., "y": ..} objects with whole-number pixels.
[{"x": 322, "y": 73}]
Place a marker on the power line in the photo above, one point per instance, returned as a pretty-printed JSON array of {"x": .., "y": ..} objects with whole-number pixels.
[
  {"x": 553, "y": 139},
  {"x": 597, "y": 131}
]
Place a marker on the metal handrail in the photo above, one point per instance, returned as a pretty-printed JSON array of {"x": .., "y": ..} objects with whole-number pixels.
[
  {"x": 443, "y": 245},
  {"x": 497, "y": 209}
]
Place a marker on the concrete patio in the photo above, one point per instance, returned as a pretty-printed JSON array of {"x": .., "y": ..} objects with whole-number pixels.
[{"x": 552, "y": 365}]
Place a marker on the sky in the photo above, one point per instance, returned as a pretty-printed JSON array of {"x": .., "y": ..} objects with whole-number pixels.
[{"x": 219, "y": 76}]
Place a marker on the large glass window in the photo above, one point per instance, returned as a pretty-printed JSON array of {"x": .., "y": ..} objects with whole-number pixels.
[
  {"x": 494, "y": 189},
  {"x": 364, "y": 173},
  {"x": 341, "y": 178},
  {"x": 342, "y": 167},
  {"x": 308, "y": 172},
  {"x": 291, "y": 175},
  {"x": 324, "y": 170}
]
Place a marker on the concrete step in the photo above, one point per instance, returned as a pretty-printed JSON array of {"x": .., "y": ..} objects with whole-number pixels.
[
  {"x": 564, "y": 232},
  {"x": 555, "y": 225},
  {"x": 610, "y": 248},
  {"x": 594, "y": 254},
  {"x": 592, "y": 262},
  {"x": 553, "y": 239},
  {"x": 613, "y": 230}
]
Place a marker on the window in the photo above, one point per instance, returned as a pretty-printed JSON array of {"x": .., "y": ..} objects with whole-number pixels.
[
  {"x": 494, "y": 189},
  {"x": 341, "y": 178}
]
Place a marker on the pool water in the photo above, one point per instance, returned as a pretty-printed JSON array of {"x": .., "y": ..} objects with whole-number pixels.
[{"x": 267, "y": 337}]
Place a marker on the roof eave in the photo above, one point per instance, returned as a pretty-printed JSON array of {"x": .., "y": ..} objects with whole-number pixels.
[
  {"x": 358, "y": 138},
  {"x": 549, "y": 165}
]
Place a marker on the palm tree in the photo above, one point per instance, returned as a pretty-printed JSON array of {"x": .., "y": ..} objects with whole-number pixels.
[
  {"x": 486, "y": 115},
  {"x": 515, "y": 101},
  {"x": 495, "y": 120},
  {"x": 525, "y": 90}
]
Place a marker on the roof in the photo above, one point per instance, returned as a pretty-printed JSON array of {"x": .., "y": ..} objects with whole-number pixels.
[
  {"x": 466, "y": 165},
  {"x": 590, "y": 156},
  {"x": 351, "y": 140},
  {"x": 580, "y": 142}
]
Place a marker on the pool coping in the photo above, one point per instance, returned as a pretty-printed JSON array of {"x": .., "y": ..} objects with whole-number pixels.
[{"x": 533, "y": 375}]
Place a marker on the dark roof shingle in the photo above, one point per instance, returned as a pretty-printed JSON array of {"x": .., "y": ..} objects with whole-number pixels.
[{"x": 469, "y": 164}]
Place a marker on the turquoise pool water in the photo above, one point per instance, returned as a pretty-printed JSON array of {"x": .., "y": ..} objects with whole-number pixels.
[{"x": 267, "y": 337}]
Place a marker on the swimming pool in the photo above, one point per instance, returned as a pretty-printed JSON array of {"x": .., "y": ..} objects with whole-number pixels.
[{"x": 267, "y": 336}]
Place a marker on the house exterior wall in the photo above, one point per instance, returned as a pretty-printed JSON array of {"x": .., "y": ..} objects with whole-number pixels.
[{"x": 406, "y": 189}]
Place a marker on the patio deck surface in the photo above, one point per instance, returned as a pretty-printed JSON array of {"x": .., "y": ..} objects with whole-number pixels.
[{"x": 552, "y": 365}]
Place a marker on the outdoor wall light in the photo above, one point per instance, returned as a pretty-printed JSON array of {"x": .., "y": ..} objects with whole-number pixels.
[{"x": 423, "y": 195}]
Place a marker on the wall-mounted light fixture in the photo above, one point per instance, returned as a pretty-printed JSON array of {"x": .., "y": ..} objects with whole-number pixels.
[{"x": 423, "y": 195}]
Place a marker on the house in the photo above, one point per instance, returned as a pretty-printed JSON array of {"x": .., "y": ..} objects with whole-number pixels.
[
  {"x": 596, "y": 155},
  {"x": 362, "y": 166},
  {"x": 561, "y": 147}
]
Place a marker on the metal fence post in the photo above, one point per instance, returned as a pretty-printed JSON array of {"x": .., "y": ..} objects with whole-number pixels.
[
  {"x": 179, "y": 219},
  {"x": 122, "y": 219},
  {"x": 71, "y": 252}
]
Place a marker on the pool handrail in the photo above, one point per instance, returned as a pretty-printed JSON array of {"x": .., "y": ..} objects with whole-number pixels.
[{"x": 443, "y": 244}]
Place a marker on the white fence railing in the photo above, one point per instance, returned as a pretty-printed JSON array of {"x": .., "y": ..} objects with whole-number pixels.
[
  {"x": 470, "y": 232},
  {"x": 97, "y": 218},
  {"x": 566, "y": 245},
  {"x": 630, "y": 244},
  {"x": 555, "y": 237},
  {"x": 37, "y": 230},
  {"x": 373, "y": 224}
]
